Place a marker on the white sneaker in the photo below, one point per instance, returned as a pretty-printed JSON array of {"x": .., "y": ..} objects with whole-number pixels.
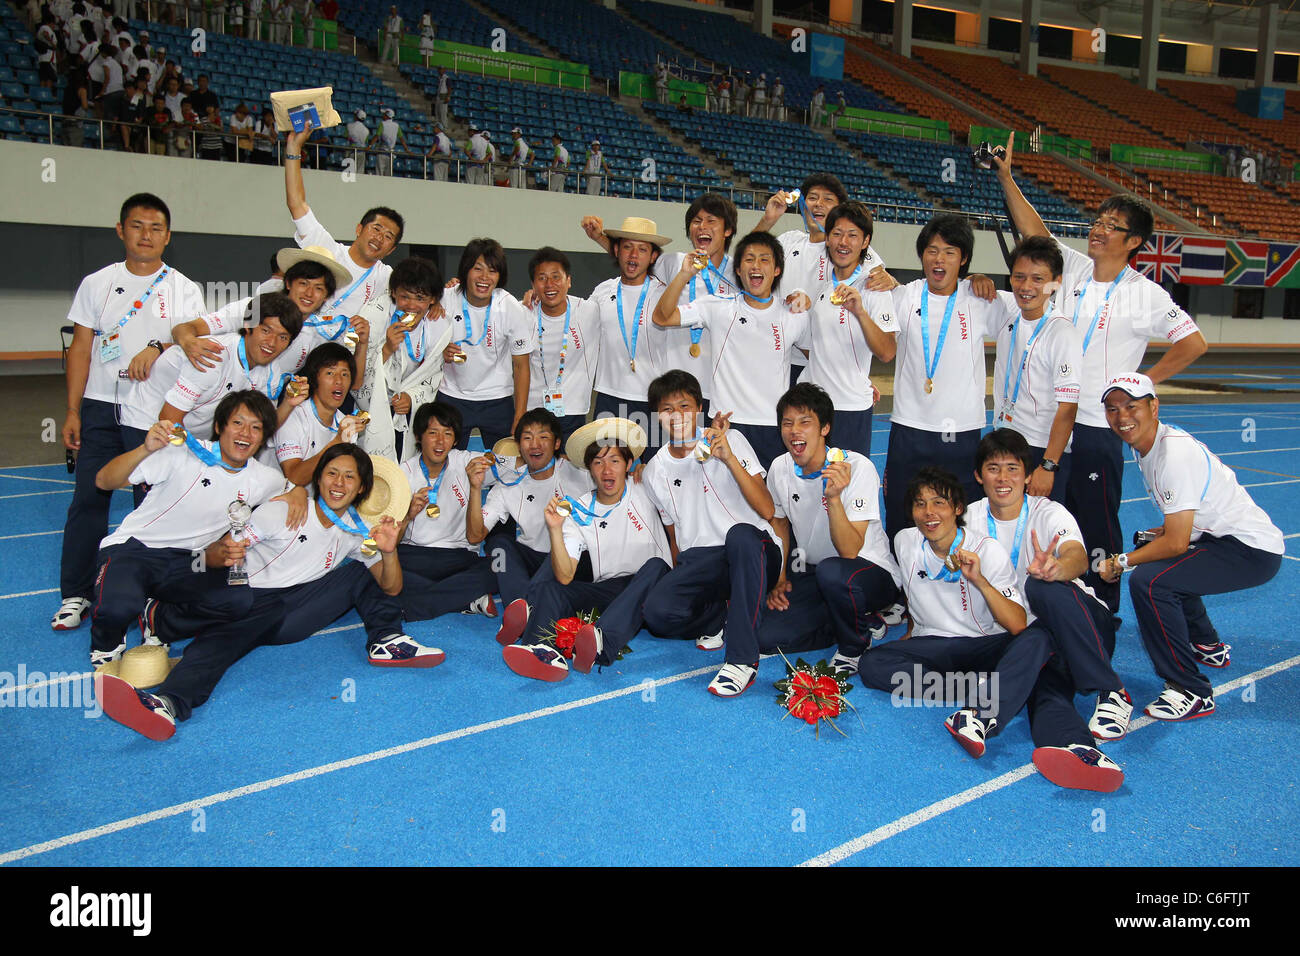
[
  {"x": 1174, "y": 703},
  {"x": 399, "y": 650},
  {"x": 1110, "y": 718},
  {"x": 894, "y": 614},
  {"x": 732, "y": 680},
  {"x": 99, "y": 658},
  {"x": 70, "y": 614},
  {"x": 711, "y": 642},
  {"x": 1079, "y": 767},
  {"x": 483, "y": 605},
  {"x": 970, "y": 730},
  {"x": 147, "y": 632},
  {"x": 843, "y": 665}
]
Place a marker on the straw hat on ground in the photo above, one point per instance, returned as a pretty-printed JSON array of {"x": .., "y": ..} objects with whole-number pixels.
[
  {"x": 643, "y": 230},
  {"x": 142, "y": 667},
  {"x": 390, "y": 496},
  {"x": 605, "y": 431},
  {"x": 287, "y": 258}
]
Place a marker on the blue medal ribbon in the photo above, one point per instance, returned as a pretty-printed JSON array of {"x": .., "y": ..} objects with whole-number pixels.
[
  {"x": 527, "y": 472},
  {"x": 270, "y": 372},
  {"x": 342, "y": 297},
  {"x": 832, "y": 455},
  {"x": 564, "y": 347},
  {"x": 357, "y": 527},
  {"x": 704, "y": 274},
  {"x": 1096, "y": 317},
  {"x": 849, "y": 281},
  {"x": 585, "y": 515},
  {"x": 433, "y": 485},
  {"x": 138, "y": 304},
  {"x": 207, "y": 456},
  {"x": 945, "y": 573},
  {"x": 1021, "y": 521},
  {"x": 636, "y": 326},
  {"x": 324, "y": 322},
  {"x": 335, "y": 426},
  {"x": 1024, "y": 360},
  {"x": 406, "y": 335},
  {"x": 469, "y": 323},
  {"x": 932, "y": 364}
]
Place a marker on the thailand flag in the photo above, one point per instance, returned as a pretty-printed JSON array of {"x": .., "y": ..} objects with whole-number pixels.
[{"x": 1202, "y": 260}]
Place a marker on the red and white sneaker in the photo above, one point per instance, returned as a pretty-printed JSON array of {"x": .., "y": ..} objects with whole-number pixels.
[
  {"x": 70, "y": 614},
  {"x": 1111, "y": 716},
  {"x": 536, "y": 661},
  {"x": 732, "y": 680},
  {"x": 514, "y": 621},
  {"x": 1079, "y": 767},
  {"x": 1212, "y": 655},
  {"x": 144, "y": 713},
  {"x": 1174, "y": 703},
  {"x": 399, "y": 650},
  {"x": 969, "y": 730},
  {"x": 587, "y": 645}
]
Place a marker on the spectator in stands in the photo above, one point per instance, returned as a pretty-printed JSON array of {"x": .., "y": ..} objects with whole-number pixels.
[
  {"x": 817, "y": 107},
  {"x": 596, "y": 168},
  {"x": 661, "y": 82},
  {"x": 255, "y": 19},
  {"x": 478, "y": 151},
  {"x": 841, "y": 106},
  {"x": 329, "y": 9},
  {"x": 711, "y": 94},
  {"x": 440, "y": 148},
  {"x": 683, "y": 106},
  {"x": 76, "y": 102},
  {"x": 106, "y": 72},
  {"x": 442, "y": 102},
  {"x": 358, "y": 134},
  {"x": 236, "y": 10},
  {"x": 265, "y": 137},
  {"x": 392, "y": 38},
  {"x": 428, "y": 33},
  {"x": 740, "y": 91},
  {"x": 173, "y": 97},
  {"x": 309, "y": 24},
  {"x": 46, "y": 45},
  {"x": 126, "y": 55},
  {"x": 282, "y": 19},
  {"x": 559, "y": 167},
  {"x": 387, "y": 136},
  {"x": 135, "y": 114},
  {"x": 521, "y": 159},
  {"x": 210, "y": 138},
  {"x": 760, "y": 97},
  {"x": 161, "y": 123},
  {"x": 203, "y": 96},
  {"x": 240, "y": 145},
  {"x": 190, "y": 126},
  {"x": 778, "y": 100}
]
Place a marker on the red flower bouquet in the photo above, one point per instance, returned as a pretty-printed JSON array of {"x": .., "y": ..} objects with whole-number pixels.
[
  {"x": 565, "y": 630},
  {"x": 813, "y": 693}
]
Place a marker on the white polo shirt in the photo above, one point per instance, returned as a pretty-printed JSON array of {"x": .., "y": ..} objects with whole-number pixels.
[
  {"x": 454, "y": 496},
  {"x": 303, "y": 436},
  {"x": 173, "y": 380},
  {"x": 1050, "y": 351},
  {"x": 348, "y": 299},
  {"x": 613, "y": 374},
  {"x": 702, "y": 501},
  {"x": 103, "y": 301},
  {"x": 953, "y": 608},
  {"x": 581, "y": 354},
  {"x": 526, "y": 501},
  {"x": 677, "y": 352},
  {"x": 957, "y": 402},
  {"x": 752, "y": 349},
  {"x": 801, "y": 501},
  {"x": 622, "y": 539},
  {"x": 187, "y": 500},
  {"x": 1181, "y": 474},
  {"x": 808, "y": 268},
  {"x": 1138, "y": 311},
  {"x": 495, "y": 333},
  {"x": 839, "y": 359},
  {"x": 280, "y": 557},
  {"x": 231, "y": 318},
  {"x": 1047, "y": 519}
]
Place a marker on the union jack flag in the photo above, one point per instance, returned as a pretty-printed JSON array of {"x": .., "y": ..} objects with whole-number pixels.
[{"x": 1161, "y": 258}]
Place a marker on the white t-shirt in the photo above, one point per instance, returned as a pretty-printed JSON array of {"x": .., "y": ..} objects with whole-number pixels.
[
  {"x": 197, "y": 393},
  {"x": 238, "y": 126},
  {"x": 581, "y": 357},
  {"x": 703, "y": 501},
  {"x": 105, "y": 297},
  {"x": 454, "y": 496},
  {"x": 280, "y": 557},
  {"x": 388, "y": 131},
  {"x": 839, "y": 359},
  {"x": 526, "y": 501},
  {"x": 231, "y": 318},
  {"x": 520, "y": 152},
  {"x": 957, "y": 402},
  {"x": 677, "y": 350},
  {"x": 496, "y": 332},
  {"x": 358, "y": 133},
  {"x": 613, "y": 374},
  {"x": 478, "y": 147},
  {"x": 302, "y": 436},
  {"x": 1138, "y": 310},
  {"x": 801, "y": 501},
  {"x": 441, "y": 145},
  {"x": 560, "y": 160},
  {"x": 595, "y": 161},
  {"x": 808, "y": 268},
  {"x": 1181, "y": 474},
  {"x": 309, "y": 232},
  {"x": 953, "y": 608},
  {"x": 622, "y": 538},
  {"x": 1052, "y": 356},
  {"x": 751, "y": 353},
  {"x": 1047, "y": 519},
  {"x": 187, "y": 500}
]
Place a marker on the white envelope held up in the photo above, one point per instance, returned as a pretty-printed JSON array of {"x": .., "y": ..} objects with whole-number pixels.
[{"x": 288, "y": 102}]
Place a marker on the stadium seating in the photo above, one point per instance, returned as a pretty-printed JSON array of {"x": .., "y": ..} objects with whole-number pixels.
[
  {"x": 456, "y": 22},
  {"x": 1220, "y": 100},
  {"x": 1256, "y": 210}
]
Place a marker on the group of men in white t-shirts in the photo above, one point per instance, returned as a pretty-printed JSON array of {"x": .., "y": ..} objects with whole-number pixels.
[{"x": 649, "y": 457}]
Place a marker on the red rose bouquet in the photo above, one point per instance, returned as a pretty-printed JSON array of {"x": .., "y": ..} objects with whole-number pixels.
[
  {"x": 565, "y": 630},
  {"x": 813, "y": 693}
]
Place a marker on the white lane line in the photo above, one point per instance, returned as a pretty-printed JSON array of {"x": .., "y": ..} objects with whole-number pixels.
[
  {"x": 29, "y": 534},
  {"x": 1258, "y": 484},
  {"x": 33, "y": 494},
  {"x": 177, "y": 809},
  {"x": 902, "y": 824},
  {"x": 57, "y": 481},
  {"x": 5, "y": 597}
]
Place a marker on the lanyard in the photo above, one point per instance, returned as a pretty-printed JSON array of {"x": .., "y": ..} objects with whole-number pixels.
[
  {"x": 564, "y": 344},
  {"x": 334, "y": 427},
  {"x": 1024, "y": 361},
  {"x": 358, "y": 527},
  {"x": 207, "y": 456},
  {"x": 406, "y": 335},
  {"x": 1021, "y": 521},
  {"x": 469, "y": 323},
  {"x": 932, "y": 364},
  {"x": 945, "y": 573},
  {"x": 849, "y": 281},
  {"x": 270, "y": 372},
  {"x": 347, "y": 292},
  {"x": 636, "y": 328},
  {"x": 1096, "y": 317},
  {"x": 585, "y": 515},
  {"x": 138, "y": 304},
  {"x": 318, "y": 323},
  {"x": 526, "y": 473},
  {"x": 832, "y": 455},
  {"x": 433, "y": 494},
  {"x": 710, "y": 267}
]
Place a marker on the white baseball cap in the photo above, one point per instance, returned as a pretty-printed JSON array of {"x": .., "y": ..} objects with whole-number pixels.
[
  {"x": 360, "y": 114},
  {"x": 1135, "y": 384},
  {"x": 386, "y": 113}
]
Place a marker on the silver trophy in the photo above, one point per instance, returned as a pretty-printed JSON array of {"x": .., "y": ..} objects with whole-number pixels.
[{"x": 239, "y": 513}]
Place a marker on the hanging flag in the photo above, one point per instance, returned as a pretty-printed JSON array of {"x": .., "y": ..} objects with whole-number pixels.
[
  {"x": 1244, "y": 262},
  {"x": 1202, "y": 260},
  {"x": 1283, "y": 265},
  {"x": 1161, "y": 258}
]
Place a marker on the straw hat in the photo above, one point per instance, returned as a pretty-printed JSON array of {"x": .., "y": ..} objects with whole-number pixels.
[
  {"x": 644, "y": 230},
  {"x": 507, "y": 449},
  {"x": 605, "y": 431},
  {"x": 390, "y": 496},
  {"x": 145, "y": 666},
  {"x": 287, "y": 258}
]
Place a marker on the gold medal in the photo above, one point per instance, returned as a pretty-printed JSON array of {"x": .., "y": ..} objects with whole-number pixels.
[
  {"x": 177, "y": 437},
  {"x": 459, "y": 358},
  {"x": 703, "y": 450},
  {"x": 701, "y": 260},
  {"x": 370, "y": 547},
  {"x": 564, "y": 506},
  {"x": 632, "y": 365},
  {"x": 362, "y": 417},
  {"x": 695, "y": 350},
  {"x": 350, "y": 338},
  {"x": 929, "y": 385},
  {"x": 433, "y": 511},
  {"x": 952, "y": 562},
  {"x": 839, "y": 295},
  {"x": 409, "y": 320},
  {"x": 291, "y": 389},
  {"x": 837, "y": 454}
]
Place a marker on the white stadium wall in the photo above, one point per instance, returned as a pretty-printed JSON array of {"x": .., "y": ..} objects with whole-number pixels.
[{"x": 59, "y": 205}]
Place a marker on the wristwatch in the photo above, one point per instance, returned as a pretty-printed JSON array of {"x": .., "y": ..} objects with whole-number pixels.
[
  {"x": 1048, "y": 465},
  {"x": 155, "y": 344},
  {"x": 1121, "y": 562}
]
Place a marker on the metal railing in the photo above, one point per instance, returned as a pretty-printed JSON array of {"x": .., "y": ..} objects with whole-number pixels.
[
  {"x": 515, "y": 70},
  {"x": 180, "y": 13}
]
